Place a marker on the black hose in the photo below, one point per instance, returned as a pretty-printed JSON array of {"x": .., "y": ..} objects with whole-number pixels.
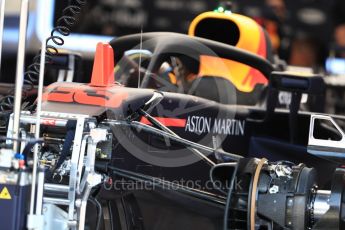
[
  {"x": 70, "y": 126},
  {"x": 228, "y": 200}
]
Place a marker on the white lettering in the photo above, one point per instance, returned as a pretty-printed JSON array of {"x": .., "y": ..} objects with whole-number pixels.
[
  {"x": 199, "y": 125},
  {"x": 241, "y": 126},
  {"x": 187, "y": 128},
  {"x": 208, "y": 125}
]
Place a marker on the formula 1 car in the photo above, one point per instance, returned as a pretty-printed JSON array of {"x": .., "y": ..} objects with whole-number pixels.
[
  {"x": 144, "y": 154},
  {"x": 116, "y": 157}
]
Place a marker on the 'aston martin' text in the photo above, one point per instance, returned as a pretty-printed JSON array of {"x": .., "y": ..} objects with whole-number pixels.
[{"x": 199, "y": 125}]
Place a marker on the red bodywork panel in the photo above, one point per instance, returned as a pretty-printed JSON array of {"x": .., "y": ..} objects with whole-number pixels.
[{"x": 167, "y": 121}]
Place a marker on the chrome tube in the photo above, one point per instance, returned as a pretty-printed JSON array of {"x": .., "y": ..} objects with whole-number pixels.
[
  {"x": 25, "y": 119},
  {"x": 58, "y": 201},
  {"x": 2, "y": 20},
  {"x": 56, "y": 188},
  {"x": 37, "y": 136},
  {"x": 24, "y": 11},
  {"x": 39, "y": 198}
]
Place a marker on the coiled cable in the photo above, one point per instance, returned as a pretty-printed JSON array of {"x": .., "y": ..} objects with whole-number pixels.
[{"x": 62, "y": 28}]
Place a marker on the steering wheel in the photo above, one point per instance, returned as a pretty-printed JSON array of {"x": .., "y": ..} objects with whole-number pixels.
[{"x": 165, "y": 44}]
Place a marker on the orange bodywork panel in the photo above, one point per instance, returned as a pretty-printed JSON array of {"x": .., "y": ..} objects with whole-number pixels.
[
  {"x": 102, "y": 91},
  {"x": 251, "y": 38},
  {"x": 103, "y": 66},
  {"x": 85, "y": 94},
  {"x": 243, "y": 77}
]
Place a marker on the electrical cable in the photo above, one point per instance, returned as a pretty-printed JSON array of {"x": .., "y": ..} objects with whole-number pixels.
[
  {"x": 63, "y": 28},
  {"x": 70, "y": 126},
  {"x": 95, "y": 202},
  {"x": 228, "y": 199}
]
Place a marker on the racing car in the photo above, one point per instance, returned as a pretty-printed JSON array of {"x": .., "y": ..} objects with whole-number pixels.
[
  {"x": 144, "y": 154},
  {"x": 174, "y": 153}
]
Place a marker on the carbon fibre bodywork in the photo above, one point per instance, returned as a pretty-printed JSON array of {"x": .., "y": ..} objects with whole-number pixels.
[{"x": 149, "y": 172}]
